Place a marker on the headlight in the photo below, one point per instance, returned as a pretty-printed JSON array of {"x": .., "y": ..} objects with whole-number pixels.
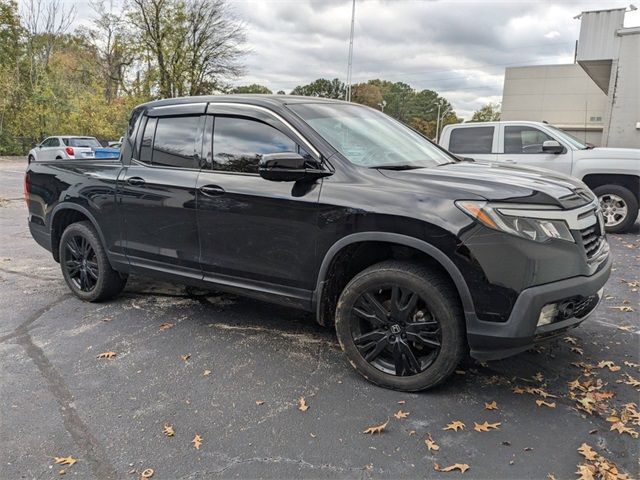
[{"x": 538, "y": 229}]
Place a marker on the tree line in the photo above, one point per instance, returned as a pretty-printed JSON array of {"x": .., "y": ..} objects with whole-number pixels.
[{"x": 86, "y": 81}]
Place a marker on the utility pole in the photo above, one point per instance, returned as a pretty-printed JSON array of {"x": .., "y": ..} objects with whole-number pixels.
[
  {"x": 349, "y": 67},
  {"x": 438, "y": 124}
]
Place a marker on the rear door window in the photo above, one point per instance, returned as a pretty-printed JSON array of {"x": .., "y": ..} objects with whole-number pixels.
[
  {"x": 471, "y": 140},
  {"x": 174, "y": 143}
]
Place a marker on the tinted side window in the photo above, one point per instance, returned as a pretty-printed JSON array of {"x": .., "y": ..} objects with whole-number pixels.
[
  {"x": 54, "y": 142},
  {"x": 239, "y": 143},
  {"x": 471, "y": 140},
  {"x": 524, "y": 139},
  {"x": 146, "y": 140},
  {"x": 46, "y": 142},
  {"x": 174, "y": 144}
]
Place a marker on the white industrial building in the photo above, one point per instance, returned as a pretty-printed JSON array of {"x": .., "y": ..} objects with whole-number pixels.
[{"x": 597, "y": 98}]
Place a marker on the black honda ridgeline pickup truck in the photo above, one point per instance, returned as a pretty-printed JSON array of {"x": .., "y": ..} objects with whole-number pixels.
[{"x": 414, "y": 255}]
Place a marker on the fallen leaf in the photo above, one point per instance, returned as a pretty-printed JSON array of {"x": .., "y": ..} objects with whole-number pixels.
[
  {"x": 626, "y": 328},
  {"x": 587, "y": 452},
  {"x": 259, "y": 402},
  {"x": 165, "y": 326},
  {"x": 571, "y": 340},
  {"x": 621, "y": 428},
  {"x": 302, "y": 405},
  {"x": 551, "y": 476},
  {"x": 518, "y": 390},
  {"x": 632, "y": 365},
  {"x": 623, "y": 308},
  {"x": 574, "y": 384},
  {"x": 401, "y": 402},
  {"x": 463, "y": 467},
  {"x": 540, "y": 403},
  {"x": 608, "y": 364},
  {"x": 107, "y": 355},
  {"x": 206, "y": 373},
  {"x": 376, "y": 428},
  {"x": 412, "y": 432},
  {"x": 168, "y": 430},
  {"x": 64, "y": 460},
  {"x": 400, "y": 414},
  {"x": 577, "y": 350},
  {"x": 197, "y": 441},
  {"x": 431, "y": 445},
  {"x": 147, "y": 473},
  {"x": 486, "y": 426},
  {"x": 455, "y": 426},
  {"x": 586, "y": 472},
  {"x": 629, "y": 380},
  {"x": 491, "y": 406},
  {"x": 539, "y": 377}
]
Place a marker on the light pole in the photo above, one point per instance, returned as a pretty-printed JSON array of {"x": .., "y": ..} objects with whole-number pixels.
[
  {"x": 382, "y": 105},
  {"x": 349, "y": 66}
]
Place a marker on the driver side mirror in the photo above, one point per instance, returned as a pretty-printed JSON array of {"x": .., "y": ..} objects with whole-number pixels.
[
  {"x": 552, "y": 146},
  {"x": 289, "y": 167}
]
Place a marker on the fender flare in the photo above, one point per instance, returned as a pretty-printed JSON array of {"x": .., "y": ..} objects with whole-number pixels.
[
  {"x": 79, "y": 208},
  {"x": 444, "y": 261}
]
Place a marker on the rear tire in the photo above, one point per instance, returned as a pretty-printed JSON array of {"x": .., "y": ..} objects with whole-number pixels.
[
  {"x": 619, "y": 207},
  {"x": 85, "y": 265},
  {"x": 409, "y": 340}
]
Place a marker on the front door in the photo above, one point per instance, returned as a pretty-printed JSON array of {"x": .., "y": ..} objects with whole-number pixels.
[
  {"x": 523, "y": 145},
  {"x": 254, "y": 231},
  {"x": 157, "y": 195}
]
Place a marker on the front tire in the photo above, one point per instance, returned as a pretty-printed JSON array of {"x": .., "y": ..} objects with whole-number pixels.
[
  {"x": 401, "y": 326},
  {"x": 619, "y": 207},
  {"x": 85, "y": 265}
]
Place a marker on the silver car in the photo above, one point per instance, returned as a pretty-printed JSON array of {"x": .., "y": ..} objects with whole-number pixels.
[{"x": 64, "y": 148}]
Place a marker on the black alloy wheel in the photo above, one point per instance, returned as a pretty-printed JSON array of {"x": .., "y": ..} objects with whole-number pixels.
[
  {"x": 401, "y": 325},
  {"x": 394, "y": 330},
  {"x": 85, "y": 265},
  {"x": 81, "y": 263}
]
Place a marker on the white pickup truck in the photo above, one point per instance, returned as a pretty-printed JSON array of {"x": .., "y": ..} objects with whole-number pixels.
[{"x": 612, "y": 173}]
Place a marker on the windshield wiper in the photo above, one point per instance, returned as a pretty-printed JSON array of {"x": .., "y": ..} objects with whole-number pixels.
[{"x": 399, "y": 166}]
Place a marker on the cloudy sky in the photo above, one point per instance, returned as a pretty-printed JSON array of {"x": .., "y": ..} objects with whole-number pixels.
[{"x": 458, "y": 48}]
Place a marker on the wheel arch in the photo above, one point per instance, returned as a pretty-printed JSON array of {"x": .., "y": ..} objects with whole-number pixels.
[
  {"x": 393, "y": 239},
  {"x": 63, "y": 215},
  {"x": 628, "y": 181}
]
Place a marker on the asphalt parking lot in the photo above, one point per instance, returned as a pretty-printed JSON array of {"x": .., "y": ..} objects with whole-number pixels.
[{"x": 232, "y": 371}]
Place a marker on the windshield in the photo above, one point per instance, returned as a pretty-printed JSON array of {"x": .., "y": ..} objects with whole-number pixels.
[
  {"x": 568, "y": 138},
  {"x": 82, "y": 142},
  {"x": 370, "y": 138}
]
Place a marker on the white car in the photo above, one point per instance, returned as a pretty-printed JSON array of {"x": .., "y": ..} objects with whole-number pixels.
[
  {"x": 64, "y": 148},
  {"x": 612, "y": 173}
]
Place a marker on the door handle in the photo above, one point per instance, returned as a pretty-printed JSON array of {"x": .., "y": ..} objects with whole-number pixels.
[
  {"x": 212, "y": 190},
  {"x": 135, "y": 181}
]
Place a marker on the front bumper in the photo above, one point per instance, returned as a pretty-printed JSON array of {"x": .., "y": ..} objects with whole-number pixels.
[{"x": 496, "y": 340}]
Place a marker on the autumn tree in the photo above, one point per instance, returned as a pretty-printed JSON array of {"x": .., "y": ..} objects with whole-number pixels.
[{"x": 487, "y": 113}]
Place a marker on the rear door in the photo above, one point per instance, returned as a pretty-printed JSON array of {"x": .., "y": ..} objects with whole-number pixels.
[
  {"x": 48, "y": 149},
  {"x": 475, "y": 141},
  {"x": 158, "y": 197},
  {"x": 254, "y": 231},
  {"x": 522, "y": 144}
]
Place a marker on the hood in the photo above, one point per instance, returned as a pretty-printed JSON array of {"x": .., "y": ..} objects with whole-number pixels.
[
  {"x": 610, "y": 153},
  {"x": 500, "y": 183}
]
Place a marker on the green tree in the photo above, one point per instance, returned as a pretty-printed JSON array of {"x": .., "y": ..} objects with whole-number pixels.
[
  {"x": 322, "y": 88},
  {"x": 487, "y": 113},
  {"x": 253, "y": 88}
]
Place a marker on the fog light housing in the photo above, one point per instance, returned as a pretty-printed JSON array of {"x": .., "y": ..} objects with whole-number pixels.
[{"x": 548, "y": 314}]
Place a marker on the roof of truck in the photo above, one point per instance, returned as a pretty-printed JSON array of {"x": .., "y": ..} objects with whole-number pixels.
[{"x": 253, "y": 99}]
